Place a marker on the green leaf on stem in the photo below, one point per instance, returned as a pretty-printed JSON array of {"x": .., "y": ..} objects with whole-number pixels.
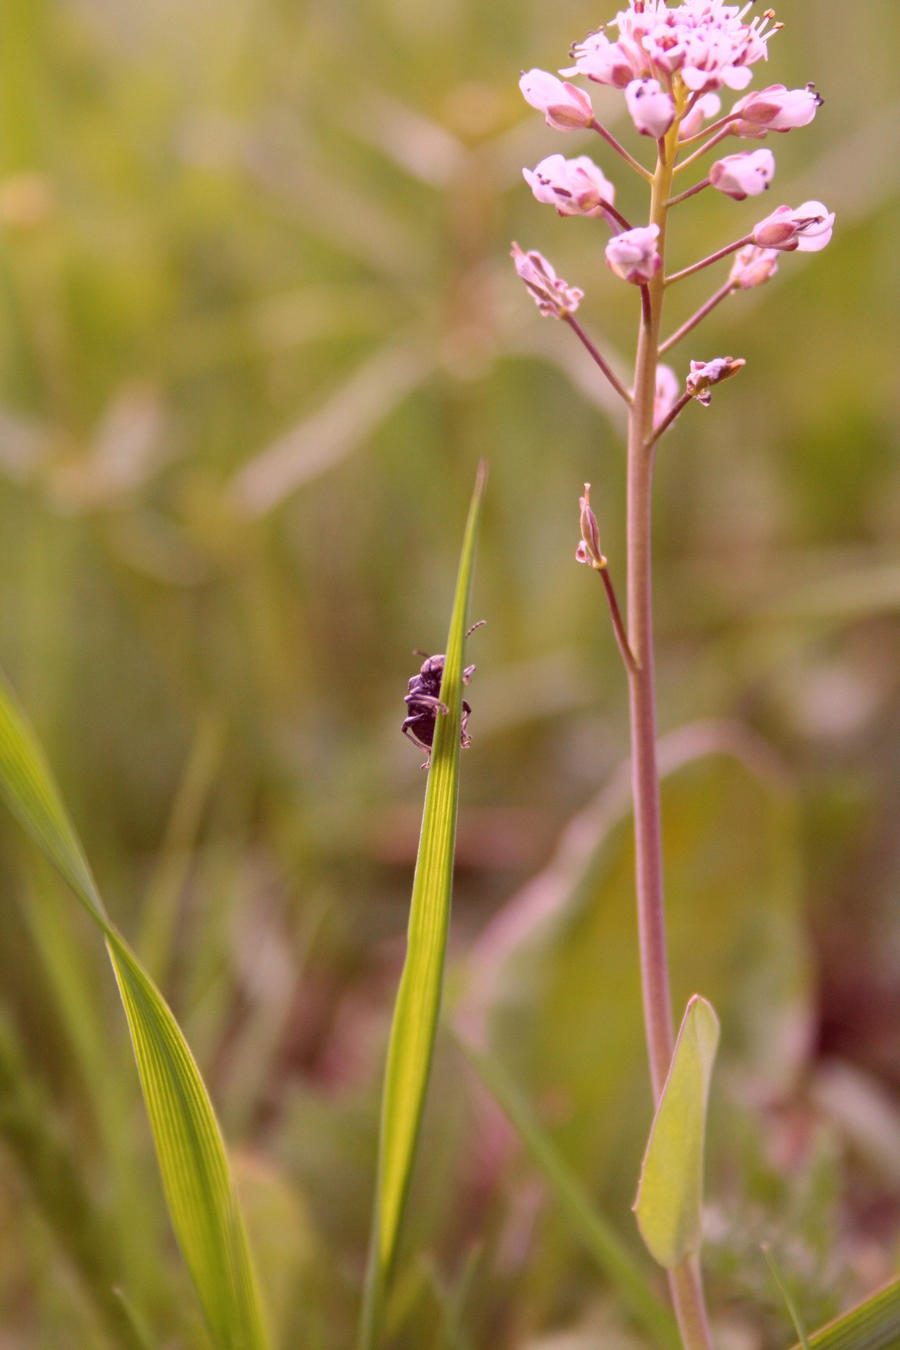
[
  {"x": 419, "y": 995},
  {"x": 670, "y": 1192},
  {"x": 202, "y": 1203}
]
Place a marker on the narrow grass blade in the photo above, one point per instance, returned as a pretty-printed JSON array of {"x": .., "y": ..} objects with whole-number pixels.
[
  {"x": 670, "y": 1191},
  {"x": 600, "y": 1239},
  {"x": 786, "y": 1295},
  {"x": 419, "y": 995},
  {"x": 31, "y": 1131},
  {"x": 871, "y": 1325},
  {"x": 31, "y": 794},
  {"x": 189, "y": 1147}
]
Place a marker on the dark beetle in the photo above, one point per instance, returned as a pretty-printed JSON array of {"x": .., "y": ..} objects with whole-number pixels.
[{"x": 425, "y": 703}]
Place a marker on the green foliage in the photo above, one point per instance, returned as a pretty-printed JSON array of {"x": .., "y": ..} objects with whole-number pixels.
[
  {"x": 191, "y": 1154},
  {"x": 670, "y": 1192},
  {"x": 419, "y": 996},
  {"x": 234, "y": 227},
  {"x": 873, "y": 1325}
]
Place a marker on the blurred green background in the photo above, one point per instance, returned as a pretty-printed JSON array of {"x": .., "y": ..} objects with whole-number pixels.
[{"x": 257, "y": 325}]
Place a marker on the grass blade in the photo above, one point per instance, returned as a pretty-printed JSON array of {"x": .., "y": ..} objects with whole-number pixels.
[
  {"x": 600, "y": 1239},
  {"x": 419, "y": 995},
  {"x": 785, "y": 1292},
  {"x": 189, "y": 1147},
  {"x": 871, "y": 1325}
]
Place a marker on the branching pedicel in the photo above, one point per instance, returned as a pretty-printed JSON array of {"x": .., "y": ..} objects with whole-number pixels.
[{"x": 670, "y": 62}]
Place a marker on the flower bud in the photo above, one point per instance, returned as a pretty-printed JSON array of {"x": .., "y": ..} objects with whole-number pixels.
[
  {"x": 603, "y": 61},
  {"x": 553, "y": 296},
  {"x": 576, "y": 187},
  {"x": 632, "y": 254},
  {"x": 704, "y": 374},
  {"x": 776, "y": 109},
  {"x": 651, "y": 108},
  {"x": 707, "y": 106},
  {"x": 808, "y": 228},
  {"x": 589, "y": 550},
  {"x": 565, "y": 107},
  {"x": 745, "y": 175},
  {"x": 752, "y": 266}
]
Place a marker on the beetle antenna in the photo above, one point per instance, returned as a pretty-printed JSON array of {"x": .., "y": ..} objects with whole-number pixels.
[{"x": 479, "y": 624}]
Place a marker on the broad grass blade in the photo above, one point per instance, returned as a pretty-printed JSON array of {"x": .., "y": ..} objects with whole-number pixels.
[
  {"x": 670, "y": 1191},
  {"x": 189, "y": 1147},
  {"x": 871, "y": 1325},
  {"x": 419, "y": 995}
]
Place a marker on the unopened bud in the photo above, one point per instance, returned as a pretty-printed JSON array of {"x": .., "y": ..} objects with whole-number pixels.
[
  {"x": 744, "y": 175},
  {"x": 703, "y": 110},
  {"x": 752, "y": 266},
  {"x": 650, "y": 107},
  {"x": 776, "y": 109},
  {"x": 565, "y": 107},
  {"x": 633, "y": 256},
  {"x": 807, "y": 228},
  {"x": 589, "y": 550}
]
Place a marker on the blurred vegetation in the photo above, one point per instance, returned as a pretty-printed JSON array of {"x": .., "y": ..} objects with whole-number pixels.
[{"x": 257, "y": 324}]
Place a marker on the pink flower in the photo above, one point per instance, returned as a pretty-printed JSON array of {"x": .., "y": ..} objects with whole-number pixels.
[
  {"x": 741, "y": 176},
  {"x": 704, "y": 374},
  {"x": 564, "y": 107},
  {"x": 666, "y": 393},
  {"x": 576, "y": 187},
  {"x": 632, "y": 254},
  {"x": 651, "y": 109},
  {"x": 553, "y": 296},
  {"x": 808, "y": 228},
  {"x": 752, "y": 266},
  {"x": 707, "y": 106},
  {"x": 775, "y": 109},
  {"x": 707, "y": 42},
  {"x": 719, "y": 47},
  {"x": 602, "y": 61}
]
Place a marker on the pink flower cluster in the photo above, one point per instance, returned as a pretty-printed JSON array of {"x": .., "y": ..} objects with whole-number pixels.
[
  {"x": 670, "y": 61},
  {"x": 706, "y": 43}
]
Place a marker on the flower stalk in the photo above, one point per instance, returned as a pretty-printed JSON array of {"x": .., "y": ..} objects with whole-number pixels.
[
  {"x": 670, "y": 60},
  {"x": 641, "y": 680}
]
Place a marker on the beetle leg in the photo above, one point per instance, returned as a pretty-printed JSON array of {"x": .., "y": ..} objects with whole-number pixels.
[
  {"x": 468, "y": 673},
  {"x": 426, "y": 701},
  {"x": 408, "y": 731},
  {"x": 465, "y": 739}
]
